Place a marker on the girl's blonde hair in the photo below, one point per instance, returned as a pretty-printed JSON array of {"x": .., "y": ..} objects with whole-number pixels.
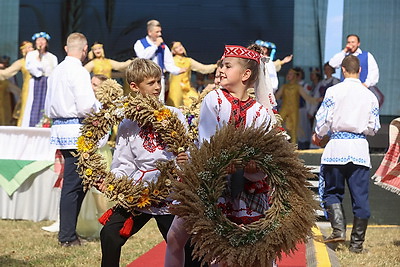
[{"x": 252, "y": 64}]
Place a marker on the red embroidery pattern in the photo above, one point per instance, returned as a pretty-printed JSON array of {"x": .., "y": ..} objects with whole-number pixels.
[
  {"x": 219, "y": 105},
  {"x": 239, "y": 108},
  {"x": 242, "y": 52},
  {"x": 258, "y": 113},
  {"x": 228, "y": 210},
  {"x": 151, "y": 140}
]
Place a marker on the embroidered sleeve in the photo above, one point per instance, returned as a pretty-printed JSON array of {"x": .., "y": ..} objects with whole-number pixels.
[
  {"x": 209, "y": 116},
  {"x": 373, "y": 122},
  {"x": 324, "y": 116}
]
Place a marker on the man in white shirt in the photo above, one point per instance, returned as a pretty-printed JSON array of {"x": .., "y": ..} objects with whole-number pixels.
[
  {"x": 153, "y": 47},
  {"x": 348, "y": 113},
  {"x": 69, "y": 98},
  {"x": 369, "y": 74}
]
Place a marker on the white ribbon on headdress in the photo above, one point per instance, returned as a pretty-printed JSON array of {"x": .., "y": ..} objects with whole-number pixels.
[{"x": 264, "y": 91}]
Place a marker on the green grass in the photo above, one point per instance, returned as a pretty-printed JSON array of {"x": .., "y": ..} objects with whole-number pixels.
[
  {"x": 382, "y": 245},
  {"x": 23, "y": 243}
]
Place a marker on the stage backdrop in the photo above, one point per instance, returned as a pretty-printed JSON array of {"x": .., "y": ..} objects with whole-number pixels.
[{"x": 204, "y": 27}]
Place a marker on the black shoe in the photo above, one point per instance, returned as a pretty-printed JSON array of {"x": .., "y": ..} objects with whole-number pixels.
[
  {"x": 74, "y": 243},
  {"x": 338, "y": 223},
  {"x": 358, "y": 235}
]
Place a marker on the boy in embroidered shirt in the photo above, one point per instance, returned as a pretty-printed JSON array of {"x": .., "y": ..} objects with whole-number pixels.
[
  {"x": 348, "y": 113},
  {"x": 230, "y": 104},
  {"x": 136, "y": 153}
]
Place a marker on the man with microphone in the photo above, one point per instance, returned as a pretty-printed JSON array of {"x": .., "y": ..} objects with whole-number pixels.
[
  {"x": 153, "y": 47},
  {"x": 369, "y": 74}
]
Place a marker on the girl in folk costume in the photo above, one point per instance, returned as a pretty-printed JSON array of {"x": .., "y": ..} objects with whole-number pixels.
[
  {"x": 40, "y": 64},
  {"x": 180, "y": 89},
  {"x": 19, "y": 65},
  {"x": 232, "y": 104},
  {"x": 99, "y": 64},
  {"x": 137, "y": 151}
]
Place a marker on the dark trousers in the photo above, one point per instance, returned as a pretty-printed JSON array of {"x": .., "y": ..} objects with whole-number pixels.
[
  {"x": 357, "y": 178},
  {"x": 112, "y": 241},
  {"x": 71, "y": 198}
]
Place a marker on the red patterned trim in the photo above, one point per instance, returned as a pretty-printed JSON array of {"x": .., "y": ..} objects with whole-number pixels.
[
  {"x": 241, "y": 52},
  {"x": 151, "y": 140},
  {"x": 219, "y": 99},
  {"x": 238, "y": 108},
  {"x": 143, "y": 173}
]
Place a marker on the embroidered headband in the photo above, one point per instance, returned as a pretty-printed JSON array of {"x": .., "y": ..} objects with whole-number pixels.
[
  {"x": 22, "y": 47},
  {"x": 41, "y": 34},
  {"x": 241, "y": 52},
  {"x": 97, "y": 45}
]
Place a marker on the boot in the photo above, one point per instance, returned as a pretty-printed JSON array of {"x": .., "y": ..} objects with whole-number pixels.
[
  {"x": 358, "y": 235},
  {"x": 338, "y": 223}
]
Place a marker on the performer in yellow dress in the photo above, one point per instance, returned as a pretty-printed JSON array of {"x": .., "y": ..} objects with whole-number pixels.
[
  {"x": 99, "y": 64},
  {"x": 290, "y": 94},
  {"x": 180, "y": 89},
  {"x": 12, "y": 70}
]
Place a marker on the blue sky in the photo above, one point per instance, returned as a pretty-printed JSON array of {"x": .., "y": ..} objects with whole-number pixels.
[{"x": 334, "y": 28}]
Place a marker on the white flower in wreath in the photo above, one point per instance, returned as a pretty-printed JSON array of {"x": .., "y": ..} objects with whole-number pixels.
[
  {"x": 164, "y": 123},
  {"x": 119, "y": 112}
]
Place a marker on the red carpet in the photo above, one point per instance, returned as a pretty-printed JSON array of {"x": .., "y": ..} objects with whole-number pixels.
[{"x": 155, "y": 258}]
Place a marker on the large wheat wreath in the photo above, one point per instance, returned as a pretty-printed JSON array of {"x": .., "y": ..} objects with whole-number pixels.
[
  {"x": 289, "y": 219},
  {"x": 147, "y": 111}
]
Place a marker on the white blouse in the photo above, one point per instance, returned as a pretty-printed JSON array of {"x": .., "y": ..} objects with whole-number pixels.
[
  {"x": 216, "y": 111},
  {"x": 43, "y": 67}
]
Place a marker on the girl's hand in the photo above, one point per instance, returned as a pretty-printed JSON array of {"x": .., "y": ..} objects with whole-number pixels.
[
  {"x": 231, "y": 168},
  {"x": 251, "y": 167},
  {"x": 182, "y": 158}
]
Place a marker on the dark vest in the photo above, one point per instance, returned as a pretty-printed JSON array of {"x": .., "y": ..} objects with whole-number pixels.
[
  {"x": 159, "y": 52},
  {"x": 363, "y": 57}
]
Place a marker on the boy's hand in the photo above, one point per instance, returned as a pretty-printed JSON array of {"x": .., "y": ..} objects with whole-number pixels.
[
  {"x": 101, "y": 186},
  {"x": 316, "y": 140},
  {"x": 251, "y": 167},
  {"x": 182, "y": 158}
]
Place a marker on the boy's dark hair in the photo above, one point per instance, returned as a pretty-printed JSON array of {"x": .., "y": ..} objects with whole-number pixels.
[
  {"x": 141, "y": 69},
  {"x": 351, "y": 64},
  {"x": 299, "y": 72},
  {"x": 330, "y": 67}
]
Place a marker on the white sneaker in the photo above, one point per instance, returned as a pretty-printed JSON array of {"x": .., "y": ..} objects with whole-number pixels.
[{"x": 55, "y": 227}]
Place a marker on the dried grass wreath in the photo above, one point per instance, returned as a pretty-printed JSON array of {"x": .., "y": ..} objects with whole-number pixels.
[
  {"x": 288, "y": 221},
  {"x": 147, "y": 111}
]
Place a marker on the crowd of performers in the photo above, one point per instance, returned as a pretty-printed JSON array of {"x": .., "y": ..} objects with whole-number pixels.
[{"x": 244, "y": 90}]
